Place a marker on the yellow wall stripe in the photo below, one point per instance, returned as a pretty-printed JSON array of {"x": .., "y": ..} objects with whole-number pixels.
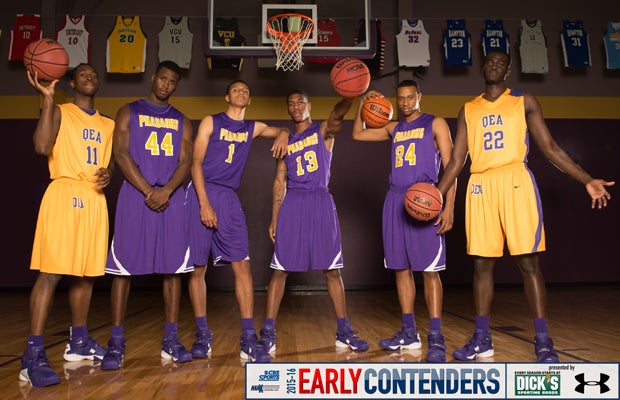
[{"x": 274, "y": 108}]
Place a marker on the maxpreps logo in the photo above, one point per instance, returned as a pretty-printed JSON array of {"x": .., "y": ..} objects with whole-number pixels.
[
  {"x": 267, "y": 376},
  {"x": 537, "y": 384}
]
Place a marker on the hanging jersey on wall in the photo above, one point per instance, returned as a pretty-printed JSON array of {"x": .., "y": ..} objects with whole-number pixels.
[
  {"x": 26, "y": 30},
  {"x": 412, "y": 42},
  {"x": 75, "y": 38},
  {"x": 226, "y": 33},
  {"x": 533, "y": 48},
  {"x": 126, "y": 46},
  {"x": 377, "y": 63},
  {"x": 612, "y": 45},
  {"x": 175, "y": 41},
  {"x": 494, "y": 37},
  {"x": 575, "y": 44},
  {"x": 456, "y": 44},
  {"x": 327, "y": 36}
]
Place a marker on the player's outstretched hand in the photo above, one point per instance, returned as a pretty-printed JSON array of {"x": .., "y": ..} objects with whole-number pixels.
[{"x": 600, "y": 196}]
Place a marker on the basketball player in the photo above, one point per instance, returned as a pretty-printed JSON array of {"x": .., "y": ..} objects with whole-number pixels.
[
  {"x": 72, "y": 228},
  {"x": 420, "y": 142},
  {"x": 153, "y": 148},
  {"x": 304, "y": 225},
  {"x": 502, "y": 198},
  {"x": 217, "y": 222}
]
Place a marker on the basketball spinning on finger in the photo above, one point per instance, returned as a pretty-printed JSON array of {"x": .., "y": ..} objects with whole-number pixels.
[
  {"x": 423, "y": 201},
  {"x": 47, "y": 58},
  {"x": 377, "y": 112},
  {"x": 350, "y": 77}
]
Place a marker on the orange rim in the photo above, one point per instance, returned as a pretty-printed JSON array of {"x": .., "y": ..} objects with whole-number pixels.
[{"x": 290, "y": 35}]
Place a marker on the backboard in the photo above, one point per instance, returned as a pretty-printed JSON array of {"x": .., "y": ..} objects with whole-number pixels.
[{"x": 237, "y": 28}]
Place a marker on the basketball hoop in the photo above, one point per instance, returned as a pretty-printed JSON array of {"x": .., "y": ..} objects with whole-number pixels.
[{"x": 289, "y": 33}]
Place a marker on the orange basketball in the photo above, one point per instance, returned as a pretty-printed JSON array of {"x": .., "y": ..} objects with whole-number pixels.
[
  {"x": 350, "y": 77},
  {"x": 377, "y": 112},
  {"x": 46, "y": 57},
  {"x": 423, "y": 201}
]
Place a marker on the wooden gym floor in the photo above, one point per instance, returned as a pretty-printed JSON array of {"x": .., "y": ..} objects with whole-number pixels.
[{"x": 584, "y": 324}]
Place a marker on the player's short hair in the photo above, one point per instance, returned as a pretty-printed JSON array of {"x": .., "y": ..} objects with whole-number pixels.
[
  {"x": 230, "y": 85},
  {"x": 500, "y": 52},
  {"x": 408, "y": 83},
  {"x": 74, "y": 71},
  {"x": 171, "y": 65},
  {"x": 298, "y": 91}
]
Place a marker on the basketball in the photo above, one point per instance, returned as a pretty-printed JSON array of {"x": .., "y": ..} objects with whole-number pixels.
[
  {"x": 377, "y": 112},
  {"x": 46, "y": 57},
  {"x": 350, "y": 77},
  {"x": 423, "y": 201}
]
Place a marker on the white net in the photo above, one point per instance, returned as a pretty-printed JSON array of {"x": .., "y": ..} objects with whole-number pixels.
[{"x": 289, "y": 33}]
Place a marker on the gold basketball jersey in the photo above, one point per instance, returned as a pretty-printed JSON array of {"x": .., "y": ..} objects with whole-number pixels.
[
  {"x": 126, "y": 46},
  {"x": 496, "y": 131},
  {"x": 83, "y": 145}
]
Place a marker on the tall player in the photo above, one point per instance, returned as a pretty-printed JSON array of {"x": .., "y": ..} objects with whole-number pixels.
[
  {"x": 72, "y": 228},
  {"x": 502, "y": 202},
  {"x": 304, "y": 225},
  {"x": 153, "y": 149},
  {"x": 217, "y": 222},
  {"x": 420, "y": 142}
]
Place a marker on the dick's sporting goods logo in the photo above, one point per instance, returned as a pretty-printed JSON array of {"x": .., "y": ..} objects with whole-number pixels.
[{"x": 537, "y": 385}]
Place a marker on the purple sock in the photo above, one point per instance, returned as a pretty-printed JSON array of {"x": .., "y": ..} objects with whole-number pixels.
[
  {"x": 435, "y": 327},
  {"x": 482, "y": 323},
  {"x": 78, "y": 332},
  {"x": 35, "y": 340},
  {"x": 201, "y": 323},
  {"x": 270, "y": 323},
  {"x": 170, "y": 329},
  {"x": 541, "y": 328},
  {"x": 342, "y": 322},
  {"x": 247, "y": 324},
  {"x": 408, "y": 321},
  {"x": 118, "y": 331}
]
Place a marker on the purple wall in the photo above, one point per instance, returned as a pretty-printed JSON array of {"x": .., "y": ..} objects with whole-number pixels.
[{"x": 580, "y": 241}]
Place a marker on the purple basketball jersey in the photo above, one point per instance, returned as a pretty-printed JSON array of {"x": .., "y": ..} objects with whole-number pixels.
[
  {"x": 307, "y": 160},
  {"x": 145, "y": 241},
  {"x": 155, "y": 140},
  {"x": 408, "y": 243},
  {"x": 228, "y": 150},
  {"x": 414, "y": 155},
  {"x": 308, "y": 231}
]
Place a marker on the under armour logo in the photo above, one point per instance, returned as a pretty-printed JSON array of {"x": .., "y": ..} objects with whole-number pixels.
[{"x": 583, "y": 383}]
